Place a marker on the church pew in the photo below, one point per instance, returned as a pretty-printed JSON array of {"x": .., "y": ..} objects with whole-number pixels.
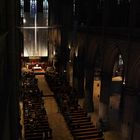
[
  {"x": 79, "y": 121},
  {"x": 95, "y": 139},
  {"x": 37, "y": 126},
  {"x": 78, "y": 114},
  {"x": 84, "y": 129},
  {"x": 80, "y": 118},
  {"x": 74, "y": 116},
  {"x": 46, "y": 131},
  {"x": 83, "y": 137},
  {"x": 80, "y": 125},
  {"x": 88, "y": 133},
  {"x": 32, "y": 136},
  {"x": 37, "y": 130},
  {"x": 39, "y": 121}
]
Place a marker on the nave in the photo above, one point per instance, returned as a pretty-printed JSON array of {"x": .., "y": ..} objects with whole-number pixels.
[
  {"x": 55, "y": 119},
  {"x": 58, "y": 121}
]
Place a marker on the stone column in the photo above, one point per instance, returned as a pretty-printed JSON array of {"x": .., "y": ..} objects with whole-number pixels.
[
  {"x": 104, "y": 99},
  {"x": 129, "y": 113},
  {"x": 103, "y": 111},
  {"x": 81, "y": 85},
  {"x": 80, "y": 76},
  {"x": 89, "y": 91},
  {"x": 12, "y": 71},
  {"x": 3, "y": 95}
]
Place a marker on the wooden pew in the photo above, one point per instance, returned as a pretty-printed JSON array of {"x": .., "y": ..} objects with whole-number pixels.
[
  {"x": 100, "y": 133},
  {"x": 76, "y": 116},
  {"x": 83, "y": 137},
  {"x": 42, "y": 121},
  {"x": 84, "y": 129},
  {"x": 78, "y": 112},
  {"x": 80, "y": 118},
  {"x": 46, "y": 131},
  {"x": 32, "y": 136},
  {"x": 80, "y": 121},
  {"x": 37, "y": 127},
  {"x": 80, "y": 125},
  {"x": 95, "y": 139},
  {"x": 37, "y": 130}
]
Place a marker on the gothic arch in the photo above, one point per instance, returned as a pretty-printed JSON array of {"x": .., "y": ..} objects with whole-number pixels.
[
  {"x": 106, "y": 72},
  {"x": 109, "y": 59},
  {"x": 109, "y": 107}
]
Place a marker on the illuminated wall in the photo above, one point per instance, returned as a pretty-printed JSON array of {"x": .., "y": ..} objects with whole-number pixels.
[
  {"x": 35, "y": 29},
  {"x": 41, "y": 47}
]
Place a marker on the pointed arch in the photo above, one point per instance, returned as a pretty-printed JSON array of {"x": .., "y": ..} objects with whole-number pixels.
[
  {"x": 109, "y": 59},
  {"x": 108, "y": 62}
]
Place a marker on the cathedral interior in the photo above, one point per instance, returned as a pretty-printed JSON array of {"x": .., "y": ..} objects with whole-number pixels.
[{"x": 69, "y": 69}]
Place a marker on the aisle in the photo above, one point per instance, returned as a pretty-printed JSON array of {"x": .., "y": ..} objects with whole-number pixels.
[
  {"x": 42, "y": 84},
  {"x": 56, "y": 120}
]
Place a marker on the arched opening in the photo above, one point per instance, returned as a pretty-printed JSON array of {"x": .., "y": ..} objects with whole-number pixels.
[
  {"x": 116, "y": 93},
  {"x": 109, "y": 93}
]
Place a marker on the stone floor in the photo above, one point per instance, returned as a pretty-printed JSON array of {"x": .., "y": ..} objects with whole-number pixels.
[{"x": 56, "y": 120}]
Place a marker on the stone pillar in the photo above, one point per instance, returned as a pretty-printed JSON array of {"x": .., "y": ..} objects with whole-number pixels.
[
  {"x": 129, "y": 113},
  {"x": 12, "y": 71},
  {"x": 81, "y": 85},
  {"x": 103, "y": 111},
  {"x": 89, "y": 92},
  {"x": 75, "y": 71},
  {"x": 104, "y": 99},
  {"x": 80, "y": 73},
  {"x": 3, "y": 95}
]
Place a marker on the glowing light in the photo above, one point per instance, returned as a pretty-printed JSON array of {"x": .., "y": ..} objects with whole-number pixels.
[
  {"x": 69, "y": 46},
  {"x": 24, "y": 20},
  {"x": 35, "y": 36},
  {"x": 76, "y": 52},
  {"x": 54, "y": 52}
]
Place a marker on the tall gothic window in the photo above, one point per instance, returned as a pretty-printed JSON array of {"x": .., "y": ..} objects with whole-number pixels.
[
  {"x": 33, "y": 7},
  {"x": 22, "y": 8},
  {"x": 34, "y": 16},
  {"x": 45, "y": 10}
]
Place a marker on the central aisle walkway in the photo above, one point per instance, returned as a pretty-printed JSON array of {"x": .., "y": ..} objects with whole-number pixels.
[
  {"x": 42, "y": 84},
  {"x": 56, "y": 120}
]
